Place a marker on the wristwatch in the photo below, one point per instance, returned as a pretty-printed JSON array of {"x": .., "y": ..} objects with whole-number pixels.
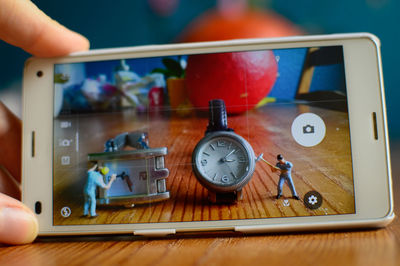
[{"x": 223, "y": 162}]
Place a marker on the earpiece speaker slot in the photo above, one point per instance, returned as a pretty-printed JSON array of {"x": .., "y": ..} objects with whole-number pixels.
[
  {"x": 33, "y": 144},
  {"x": 375, "y": 125}
]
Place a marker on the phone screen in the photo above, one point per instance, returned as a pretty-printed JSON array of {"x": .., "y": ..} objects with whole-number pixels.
[{"x": 125, "y": 131}]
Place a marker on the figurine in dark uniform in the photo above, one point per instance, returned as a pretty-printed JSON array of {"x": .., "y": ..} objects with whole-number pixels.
[{"x": 285, "y": 168}]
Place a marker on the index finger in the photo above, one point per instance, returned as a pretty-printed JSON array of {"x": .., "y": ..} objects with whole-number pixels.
[{"x": 24, "y": 25}]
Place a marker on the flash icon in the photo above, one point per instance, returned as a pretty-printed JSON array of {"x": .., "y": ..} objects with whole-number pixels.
[{"x": 65, "y": 212}]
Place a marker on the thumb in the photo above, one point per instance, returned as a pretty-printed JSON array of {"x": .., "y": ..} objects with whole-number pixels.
[
  {"x": 18, "y": 224},
  {"x": 24, "y": 25}
]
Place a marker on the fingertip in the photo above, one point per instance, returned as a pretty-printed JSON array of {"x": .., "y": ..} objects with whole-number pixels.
[
  {"x": 24, "y": 25},
  {"x": 17, "y": 226},
  {"x": 60, "y": 42}
]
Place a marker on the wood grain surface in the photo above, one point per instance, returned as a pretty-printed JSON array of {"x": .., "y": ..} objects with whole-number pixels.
[
  {"x": 357, "y": 247},
  {"x": 325, "y": 168}
]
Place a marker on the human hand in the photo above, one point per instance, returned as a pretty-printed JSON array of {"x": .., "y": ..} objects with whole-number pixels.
[
  {"x": 18, "y": 224},
  {"x": 26, "y": 26},
  {"x": 22, "y": 24}
]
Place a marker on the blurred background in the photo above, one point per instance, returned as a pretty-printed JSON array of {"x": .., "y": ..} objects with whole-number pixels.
[{"x": 128, "y": 23}]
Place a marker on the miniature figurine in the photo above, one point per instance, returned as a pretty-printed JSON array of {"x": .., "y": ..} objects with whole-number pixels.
[
  {"x": 285, "y": 168},
  {"x": 95, "y": 179},
  {"x": 137, "y": 139},
  {"x": 143, "y": 141}
]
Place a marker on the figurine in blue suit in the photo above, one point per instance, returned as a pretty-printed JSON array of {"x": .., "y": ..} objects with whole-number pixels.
[{"x": 95, "y": 179}]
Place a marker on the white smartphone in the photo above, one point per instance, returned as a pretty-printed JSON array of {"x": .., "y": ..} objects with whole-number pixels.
[{"x": 255, "y": 135}]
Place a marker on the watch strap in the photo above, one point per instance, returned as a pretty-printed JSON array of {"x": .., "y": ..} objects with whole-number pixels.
[
  {"x": 229, "y": 197},
  {"x": 217, "y": 117}
]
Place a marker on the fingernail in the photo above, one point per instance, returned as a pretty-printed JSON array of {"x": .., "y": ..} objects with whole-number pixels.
[{"x": 17, "y": 226}]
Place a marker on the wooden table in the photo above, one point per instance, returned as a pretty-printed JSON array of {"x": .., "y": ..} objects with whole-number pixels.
[
  {"x": 364, "y": 247},
  {"x": 327, "y": 169}
]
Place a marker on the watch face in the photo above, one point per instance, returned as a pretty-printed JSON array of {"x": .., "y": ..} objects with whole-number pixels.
[{"x": 224, "y": 161}]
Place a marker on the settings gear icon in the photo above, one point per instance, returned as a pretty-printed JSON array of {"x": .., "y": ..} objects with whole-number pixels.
[{"x": 312, "y": 200}]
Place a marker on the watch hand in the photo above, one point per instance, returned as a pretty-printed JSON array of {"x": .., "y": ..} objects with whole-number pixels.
[
  {"x": 223, "y": 159},
  {"x": 229, "y": 154}
]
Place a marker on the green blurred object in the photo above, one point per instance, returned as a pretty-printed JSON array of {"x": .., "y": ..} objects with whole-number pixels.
[{"x": 173, "y": 68}]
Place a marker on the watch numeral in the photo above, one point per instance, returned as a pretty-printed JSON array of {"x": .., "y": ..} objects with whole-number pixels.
[
  {"x": 204, "y": 162},
  {"x": 233, "y": 174},
  {"x": 205, "y": 153},
  {"x": 221, "y": 143},
  {"x": 225, "y": 179},
  {"x": 212, "y": 147},
  {"x": 230, "y": 145},
  {"x": 215, "y": 176}
]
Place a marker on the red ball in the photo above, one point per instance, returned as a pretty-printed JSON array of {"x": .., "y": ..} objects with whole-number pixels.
[
  {"x": 215, "y": 25},
  {"x": 241, "y": 79}
]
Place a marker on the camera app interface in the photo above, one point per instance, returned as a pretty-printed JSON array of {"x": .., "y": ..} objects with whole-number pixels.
[{"x": 202, "y": 137}]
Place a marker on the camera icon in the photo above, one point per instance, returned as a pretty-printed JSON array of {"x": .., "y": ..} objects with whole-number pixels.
[{"x": 308, "y": 129}]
